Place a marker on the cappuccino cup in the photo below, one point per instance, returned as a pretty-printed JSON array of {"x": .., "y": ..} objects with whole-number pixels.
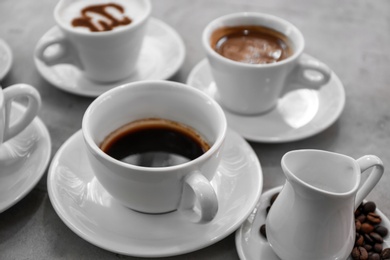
[
  {"x": 253, "y": 56},
  {"x": 101, "y": 38},
  {"x": 9, "y": 130},
  {"x": 155, "y": 146}
]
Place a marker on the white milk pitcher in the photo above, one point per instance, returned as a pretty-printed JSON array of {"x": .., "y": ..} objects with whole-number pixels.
[{"x": 313, "y": 216}]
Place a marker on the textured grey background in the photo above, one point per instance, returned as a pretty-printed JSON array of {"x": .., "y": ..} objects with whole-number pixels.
[{"x": 351, "y": 36}]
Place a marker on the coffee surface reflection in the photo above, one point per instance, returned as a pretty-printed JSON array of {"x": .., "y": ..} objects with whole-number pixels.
[
  {"x": 154, "y": 142},
  {"x": 251, "y": 44}
]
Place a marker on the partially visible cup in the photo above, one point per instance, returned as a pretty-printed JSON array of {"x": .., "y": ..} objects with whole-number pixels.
[
  {"x": 106, "y": 55},
  {"x": 253, "y": 56},
  {"x": 9, "y": 130},
  {"x": 155, "y": 146}
]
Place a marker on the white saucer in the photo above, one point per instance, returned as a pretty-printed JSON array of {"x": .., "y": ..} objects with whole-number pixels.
[
  {"x": 5, "y": 59},
  {"x": 299, "y": 114},
  {"x": 253, "y": 246},
  {"x": 88, "y": 210},
  {"x": 23, "y": 160},
  {"x": 161, "y": 56}
]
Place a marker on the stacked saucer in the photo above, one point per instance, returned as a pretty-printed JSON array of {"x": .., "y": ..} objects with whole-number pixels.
[{"x": 23, "y": 160}]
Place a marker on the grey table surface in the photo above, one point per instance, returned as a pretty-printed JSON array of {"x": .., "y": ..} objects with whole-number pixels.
[{"x": 352, "y": 37}]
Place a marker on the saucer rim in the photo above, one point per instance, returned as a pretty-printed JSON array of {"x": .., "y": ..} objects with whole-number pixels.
[
  {"x": 95, "y": 93},
  {"x": 174, "y": 251},
  {"x": 41, "y": 128},
  {"x": 4, "y": 70},
  {"x": 255, "y": 213},
  {"x": 204, "y": 64}
]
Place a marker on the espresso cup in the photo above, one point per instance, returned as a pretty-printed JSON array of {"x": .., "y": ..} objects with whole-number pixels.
[
  {"x": 253, "y": 86},
  {"x": 9, "y": 129},
  {"x": 103, "y": 56},
  {"x": 115, "y": 116}
]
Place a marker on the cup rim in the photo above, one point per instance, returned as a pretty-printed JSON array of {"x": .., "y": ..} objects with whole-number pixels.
[
  {"x": 211, "y": 26},
  {"x": 129, "y": 27},
  {"x": 96, "y": 150},
  {"x": 290, "y": 175}
]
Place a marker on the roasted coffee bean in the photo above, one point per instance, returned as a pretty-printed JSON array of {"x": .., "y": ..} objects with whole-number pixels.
[
  {"x": 366, "y": 228},
  {"x": 359, "y": 253},
  {"x": 358, "y": 225},
  {"x": 374, "y": 256},
  {"x": 262, "y": 231},
  {"x": 368, "y": 247},
  {"x": 381, "y": 230},
  {"x": 378, "y": 247},
  {"x": 385, "y": 255},
  {"x": 369, "y": 207},
  {"x": 376, "y": 237},
  {"x": 359, "y": 241},
  {"x": 373, "y": 218},
  {"x": 368, "y": 239},
  {"x": 362, "y": 218}
]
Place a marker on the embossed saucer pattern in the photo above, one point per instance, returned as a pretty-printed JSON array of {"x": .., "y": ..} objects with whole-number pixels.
[
  {"x": 299, "y": 114},
  {"x": 23, "y": 160},
  {"x": 162, "y": 54},
  {"x": 89, "y": 211}
]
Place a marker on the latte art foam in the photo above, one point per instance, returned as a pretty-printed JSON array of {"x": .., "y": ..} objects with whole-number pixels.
[{"x": 101, "y": 15}]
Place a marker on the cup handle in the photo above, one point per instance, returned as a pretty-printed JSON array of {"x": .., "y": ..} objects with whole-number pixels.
[
  {"x": 365, "y": 163},
  {"x": 303, "y": 79},
  {"x": 199, "y": 201},
  {"x": 65, "y": 53},
  {"x": 34, "y": 103}
]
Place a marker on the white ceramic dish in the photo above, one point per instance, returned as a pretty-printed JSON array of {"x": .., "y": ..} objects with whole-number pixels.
[
  {"x": 88, "y": 210},
  {"x": 5, "y": 59},
  {"x": 162, "y": 55},
  {"x": 253, "y": 246},
  {"x": 298, "y": 115},
  {"x": 23, "y": 160}
]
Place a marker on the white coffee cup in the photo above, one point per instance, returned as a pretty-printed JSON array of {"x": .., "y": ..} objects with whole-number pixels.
[
  {"x": 105, "y": 56},
  {"x": 9, "y": 129},
  {"x": 250, "y": 89},
  {"x": 185, "y": 187}
]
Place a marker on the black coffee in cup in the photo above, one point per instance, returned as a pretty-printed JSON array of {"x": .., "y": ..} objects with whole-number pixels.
[
  {"x": 154, "y": 142},
  {"x": 252, "y": 44}
]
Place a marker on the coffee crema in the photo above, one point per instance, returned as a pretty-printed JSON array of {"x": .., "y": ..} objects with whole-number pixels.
[
  {"x": 154, "y": 142},
  {"x": 251, "y": 44},
  {"x": 97, "y": 18}
]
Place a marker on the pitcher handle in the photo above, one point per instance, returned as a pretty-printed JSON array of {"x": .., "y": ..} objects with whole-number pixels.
[{"x": 365, "y": 163}]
